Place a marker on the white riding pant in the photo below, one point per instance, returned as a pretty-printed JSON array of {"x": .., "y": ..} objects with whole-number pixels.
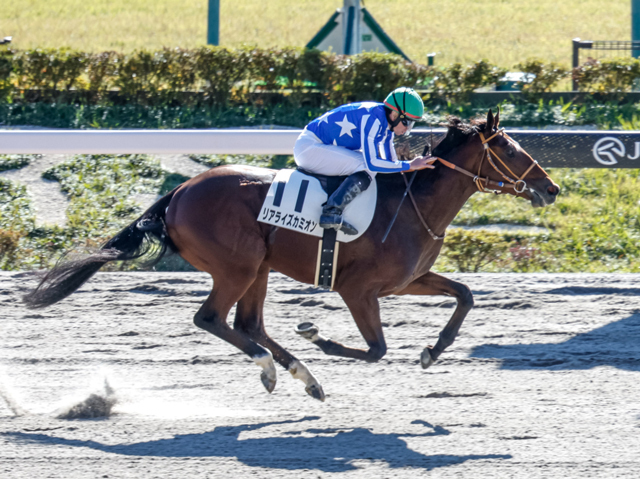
[{"x": 312, "y": 155}]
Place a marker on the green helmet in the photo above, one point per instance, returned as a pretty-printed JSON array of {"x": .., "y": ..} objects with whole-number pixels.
[{"x": 406, "y": 102}]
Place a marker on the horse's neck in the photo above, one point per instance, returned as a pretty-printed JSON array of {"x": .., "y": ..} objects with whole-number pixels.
[{"x": 447, "y": 197}]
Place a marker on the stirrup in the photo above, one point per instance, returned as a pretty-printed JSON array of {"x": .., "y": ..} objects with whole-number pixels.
[{"x": 335, "y": 221}]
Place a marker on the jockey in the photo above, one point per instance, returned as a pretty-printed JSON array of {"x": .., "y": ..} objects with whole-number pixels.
[{"x": 356, "y": 140}]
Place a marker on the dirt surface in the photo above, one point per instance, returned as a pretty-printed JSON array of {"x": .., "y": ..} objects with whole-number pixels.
[{"x": 543, "y": 381}]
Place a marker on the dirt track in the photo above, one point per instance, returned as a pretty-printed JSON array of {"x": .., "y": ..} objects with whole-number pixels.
[{"x": 542, "y": 382}]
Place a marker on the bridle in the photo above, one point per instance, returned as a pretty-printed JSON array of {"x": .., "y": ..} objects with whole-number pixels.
[{"x": 518, "y": 184}]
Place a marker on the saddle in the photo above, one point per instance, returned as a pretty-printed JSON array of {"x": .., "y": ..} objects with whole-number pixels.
[
  {"x": 328, "y": 183},
  {"x": 295, "y": 201}
]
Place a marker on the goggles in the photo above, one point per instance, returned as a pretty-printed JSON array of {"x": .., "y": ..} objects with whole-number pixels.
[{"x": 408, "y": 123}]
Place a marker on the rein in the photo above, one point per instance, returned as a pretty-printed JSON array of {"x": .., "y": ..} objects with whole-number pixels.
[
  {"x": 518, "y": 185},
  {"x": 408, "y": 190},
  {"x": 415, "y": 207}
]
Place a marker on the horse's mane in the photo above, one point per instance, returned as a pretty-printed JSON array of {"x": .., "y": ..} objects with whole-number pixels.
[{"x": 458, "y": 132}]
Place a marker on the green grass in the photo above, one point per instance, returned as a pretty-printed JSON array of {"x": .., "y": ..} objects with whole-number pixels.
[
  {"x": 594, "y": 226},
  {"x": 15, "y": 207},
  {"x": 16, "y": 218},
  {"x": 14, "y": 162},
  {"x": 504, "y": 32},
  {"x": 100, "y": 188}
]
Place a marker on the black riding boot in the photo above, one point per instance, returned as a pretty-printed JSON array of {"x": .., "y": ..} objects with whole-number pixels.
[{"x": 332, "y": 212}]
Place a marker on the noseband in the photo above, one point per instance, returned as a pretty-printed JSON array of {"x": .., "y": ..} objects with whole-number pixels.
[{"x": 518, "y": 184}]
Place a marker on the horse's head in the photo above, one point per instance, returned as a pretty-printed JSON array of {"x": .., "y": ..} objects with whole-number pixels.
[
  {"x": 515, "y": 168},
  {"x": 496, "y": 161}
]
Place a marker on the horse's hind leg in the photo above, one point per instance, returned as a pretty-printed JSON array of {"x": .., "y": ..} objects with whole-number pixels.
[
  {"x": 212, "y": 317},
  {"x": 433, "y": 284},
  {"x": 250, "y": 321}
]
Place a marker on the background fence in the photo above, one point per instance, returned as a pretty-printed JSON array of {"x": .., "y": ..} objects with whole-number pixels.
[{"x": 601, "y": 49}]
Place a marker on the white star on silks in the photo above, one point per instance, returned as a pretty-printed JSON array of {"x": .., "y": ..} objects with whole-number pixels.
[
  {"x": 324, "y": 118},
  {"x": 346, "y": 127},
  {"x": 368, "y": 105}
]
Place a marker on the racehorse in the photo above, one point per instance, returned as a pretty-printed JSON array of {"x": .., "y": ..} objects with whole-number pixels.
[{"x": 211, "y": 221}]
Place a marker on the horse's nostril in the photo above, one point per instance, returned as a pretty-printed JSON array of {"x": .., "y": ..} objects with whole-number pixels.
[{"x": 553, "y": 190}]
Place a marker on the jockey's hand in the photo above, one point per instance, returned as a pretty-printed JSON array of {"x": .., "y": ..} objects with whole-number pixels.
[{"x": 422, "y": 162}]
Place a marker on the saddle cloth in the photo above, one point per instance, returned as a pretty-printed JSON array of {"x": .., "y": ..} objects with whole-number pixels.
[{"x": 295, "y": 202}]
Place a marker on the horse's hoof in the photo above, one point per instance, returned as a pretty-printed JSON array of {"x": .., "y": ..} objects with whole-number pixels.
[
  {"x": 308, "y": 331},
  {"x": 426, "y": 359},
  {"x": 269, "y": 383},
  {"x": 315, "y": 391}
]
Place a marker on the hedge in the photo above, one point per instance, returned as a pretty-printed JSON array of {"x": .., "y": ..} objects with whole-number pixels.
[
  {"x": 210, "y": 75},
  {"x": 219, "y": 76}
]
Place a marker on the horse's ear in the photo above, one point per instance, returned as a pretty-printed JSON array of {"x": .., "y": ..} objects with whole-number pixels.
[
  {"x": 490, "y": 124},
  {"x": 496, "y": 123}
]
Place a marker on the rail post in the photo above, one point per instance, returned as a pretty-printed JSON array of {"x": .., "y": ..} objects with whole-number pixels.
[
  {"x": 577, "y": 45},
  {"x": 213, "y": 25},
  {"x": 635, "y": 26}
]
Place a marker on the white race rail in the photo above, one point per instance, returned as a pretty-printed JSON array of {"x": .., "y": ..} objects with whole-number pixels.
[{"x": 166, "y": 142}]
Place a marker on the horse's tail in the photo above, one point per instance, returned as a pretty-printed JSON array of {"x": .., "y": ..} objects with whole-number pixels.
[{"x": 146, "y": 235}]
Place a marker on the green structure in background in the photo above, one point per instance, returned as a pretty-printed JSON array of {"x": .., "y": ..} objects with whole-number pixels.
[
  {"x": 351, "y": 30},
  {"x": 213, "y": 25}
]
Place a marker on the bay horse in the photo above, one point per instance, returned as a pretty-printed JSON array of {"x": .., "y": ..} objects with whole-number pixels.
[{"x": 211, "y": 221}]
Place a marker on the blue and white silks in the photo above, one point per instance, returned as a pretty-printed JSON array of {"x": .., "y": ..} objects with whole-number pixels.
[{"x": 361, "y": 127}]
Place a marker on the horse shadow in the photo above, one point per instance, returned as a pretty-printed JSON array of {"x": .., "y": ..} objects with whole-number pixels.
[
  {"x": 327, "y": 450},
  {"x": 616, "y": 344}
]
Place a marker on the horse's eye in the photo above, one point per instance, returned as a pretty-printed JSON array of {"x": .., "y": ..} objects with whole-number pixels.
[{"x": 511, "y": 153}]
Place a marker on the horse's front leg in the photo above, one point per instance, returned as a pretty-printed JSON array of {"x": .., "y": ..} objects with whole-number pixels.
[
  {"x": 366, "y": 313},
  {"x": 432, "y": 284},
  {"x": 250, "y": 321}
]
